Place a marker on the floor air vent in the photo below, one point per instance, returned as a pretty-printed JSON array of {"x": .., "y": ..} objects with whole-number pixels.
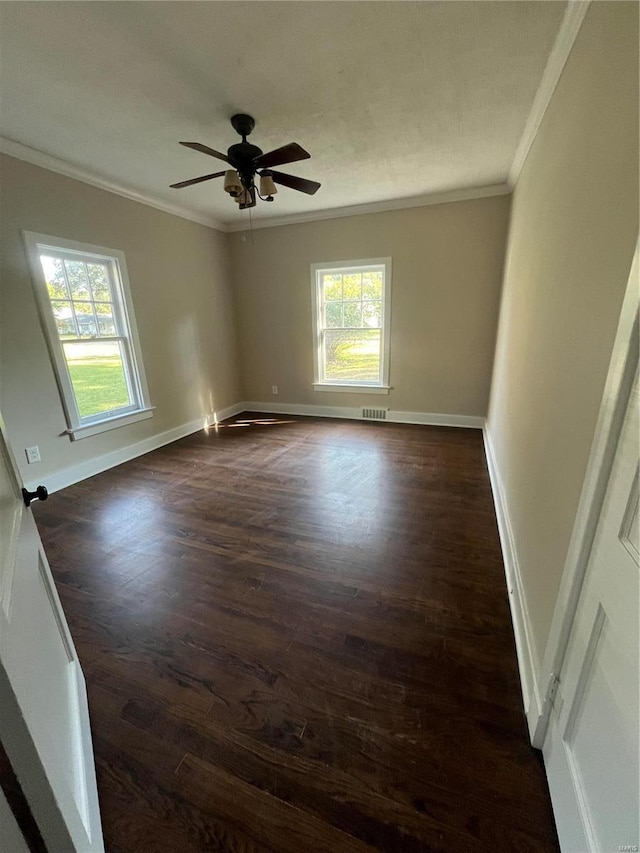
[{"x": 374, "y": 414}]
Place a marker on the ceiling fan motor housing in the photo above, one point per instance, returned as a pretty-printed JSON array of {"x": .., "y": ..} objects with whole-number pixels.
[{"x": 241, "y": 157}]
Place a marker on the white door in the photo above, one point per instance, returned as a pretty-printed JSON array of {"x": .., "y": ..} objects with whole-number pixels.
[
  {"x": 44, "y": 720},
  {"x": 592, "y": 750}
]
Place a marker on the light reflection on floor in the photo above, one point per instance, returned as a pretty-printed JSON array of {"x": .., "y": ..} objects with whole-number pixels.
[{"x": 252, "y": 422}]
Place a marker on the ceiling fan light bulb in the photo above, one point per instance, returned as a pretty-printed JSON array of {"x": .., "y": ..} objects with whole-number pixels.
[
  {"x": 232, "y": 183},
  {"x": 267, "y": 186}
]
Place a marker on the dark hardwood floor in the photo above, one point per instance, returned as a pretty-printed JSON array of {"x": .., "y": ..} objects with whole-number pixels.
[{"x": 296, "y": 637}]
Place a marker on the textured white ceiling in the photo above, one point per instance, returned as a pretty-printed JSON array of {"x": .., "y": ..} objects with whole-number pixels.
[{"x": 392, "y": 99}]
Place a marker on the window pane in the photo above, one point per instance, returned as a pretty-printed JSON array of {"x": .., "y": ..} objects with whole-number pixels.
[
  {"x": 352, "y": 286},
  {"x": 97, "y": 375},
  {"x": 352, "y": 355},
  {"x": 54, "y": 276},
  {"x": 372, "y": 314},
  {"x": 77, "y": 278},
  {"x": 333, "y": 315},
  {"x": 63, "y": 314},
  {"x": 85, "y": 319},
  {"x": 106, "y": 322},
  {"x": 99, "y": 279},
  {"x": 372, "y": 285},
  {"x": 332, "y": 287},
  {"x": 352, "y": 314}
]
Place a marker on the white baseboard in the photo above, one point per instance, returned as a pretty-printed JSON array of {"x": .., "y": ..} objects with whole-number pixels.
[
  {"x": 433, "y": 419},
  {"x": 355, "y": 413},
  {"x": 528, "y": 662},
  {"x": 229, "y": 412},
  {"x": 75, "y": 473}
]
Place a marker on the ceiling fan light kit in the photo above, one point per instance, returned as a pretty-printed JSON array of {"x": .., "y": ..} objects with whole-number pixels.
[
  {"x": 247, "y": 161},
  {"x": 267, "y": 186},
  {"x": 232, "y": 183}
]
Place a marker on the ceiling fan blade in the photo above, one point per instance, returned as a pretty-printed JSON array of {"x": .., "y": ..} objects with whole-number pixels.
[
  {"x": 295, "y": 183},
  {"x": 253, "y": 200},
  {"x": 204, "y": 149},
  {"x": 196, "y": 180},
  {"x": 287, "y": 154}
]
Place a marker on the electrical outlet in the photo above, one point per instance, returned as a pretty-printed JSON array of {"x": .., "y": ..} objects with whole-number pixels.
[
  {"x": 274, "y": 389},
  {"x": 33, "y": 454}
]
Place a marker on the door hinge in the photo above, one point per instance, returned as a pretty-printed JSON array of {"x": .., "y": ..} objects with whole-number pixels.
[{"x": 552, "y": 689}]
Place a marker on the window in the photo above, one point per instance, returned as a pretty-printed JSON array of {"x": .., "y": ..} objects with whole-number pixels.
[
  {"x": 351, "y": 325},
  {"x": 87, "y": 316}
]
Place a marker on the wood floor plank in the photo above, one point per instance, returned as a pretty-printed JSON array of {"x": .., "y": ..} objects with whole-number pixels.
[
  {"x": 271, "y": 821},
  {"x": 331, "y": 794},
  {"x": 296, "y": 634}
]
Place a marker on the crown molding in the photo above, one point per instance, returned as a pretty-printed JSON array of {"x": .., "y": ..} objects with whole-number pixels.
[
  {"x": 445, "y": 197},
  {"x": 53, "y": 164},
  {"x": 565, "y": 39}
]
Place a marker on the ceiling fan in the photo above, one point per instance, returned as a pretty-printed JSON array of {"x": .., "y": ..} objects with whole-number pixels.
[{"x": 247, "y": 161}]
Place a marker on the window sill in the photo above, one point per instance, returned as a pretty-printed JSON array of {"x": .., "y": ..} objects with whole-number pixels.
[
  {"x": 353, "y": 389},
  {"x": 109, "y": 423}
]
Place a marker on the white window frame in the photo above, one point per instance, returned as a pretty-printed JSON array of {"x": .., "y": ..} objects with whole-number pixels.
[
  {"x": 320, "y": 383},
  {"x": 127, "y": 334}
]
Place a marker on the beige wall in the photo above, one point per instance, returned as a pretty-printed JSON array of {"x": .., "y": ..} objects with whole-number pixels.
[
  {"x": 447, "y": 272},
  {"x": 574, "y": 225},
  {"x": 180, "y": 282},
  {"x": 447, "y": 267}
]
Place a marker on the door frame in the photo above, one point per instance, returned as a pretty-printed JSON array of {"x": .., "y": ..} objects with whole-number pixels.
[{"x": 622, "y": 367}]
